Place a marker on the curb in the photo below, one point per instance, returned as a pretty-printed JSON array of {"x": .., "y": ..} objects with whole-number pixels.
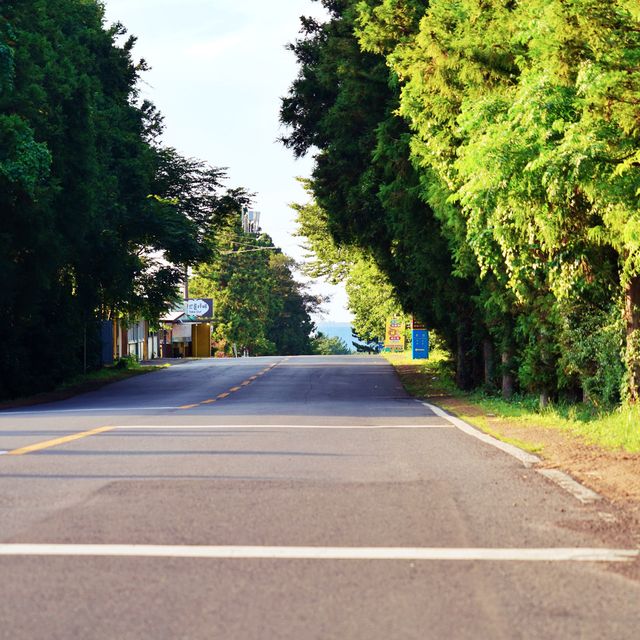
[{"x": 528, "y": 460}]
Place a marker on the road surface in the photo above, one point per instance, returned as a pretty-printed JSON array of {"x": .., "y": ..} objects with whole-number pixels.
[{"x": 291, "y": 498}]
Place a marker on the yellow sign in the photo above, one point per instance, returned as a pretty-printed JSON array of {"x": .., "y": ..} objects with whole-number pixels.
[{"x": 394, "y": 339}]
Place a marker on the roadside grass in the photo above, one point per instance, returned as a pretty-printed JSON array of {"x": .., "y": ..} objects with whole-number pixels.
[
  {"x": 82, "y": 384},
  {"x": 612, "y": 429},
  {"x": 425, "y": 378},
  {"x": 108, "y": 375}
]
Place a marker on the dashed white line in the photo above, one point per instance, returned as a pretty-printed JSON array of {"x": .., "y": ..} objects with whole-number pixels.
[{"x": 323, "y": 553}]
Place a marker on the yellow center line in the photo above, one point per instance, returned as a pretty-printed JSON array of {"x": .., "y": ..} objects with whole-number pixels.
[
  {"x": 252, "y": 378},
  {"x": 209, "y": 401},
  {"x": 234, "y": 389},
  {"x": 246, "y": 383},
  {"x": 188, "y": 406},
  {"x": 223, "y": 395},
  {"x": 58, "y": 441}
]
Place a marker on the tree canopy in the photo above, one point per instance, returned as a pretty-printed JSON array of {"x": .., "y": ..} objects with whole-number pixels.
[
  {"x": 98, "y": 218},
  {"x": 260, "y": 307},
  {"x": 485, "y": 155}
]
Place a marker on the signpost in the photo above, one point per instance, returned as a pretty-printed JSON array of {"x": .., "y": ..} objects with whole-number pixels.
[
  {"x": 420, "y": 340},
  {"x": 198, "y": 309},
  {"x": 394, "y": 339}
]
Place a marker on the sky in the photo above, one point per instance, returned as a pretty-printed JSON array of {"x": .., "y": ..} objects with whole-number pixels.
[{"x": 218, "y": 71}]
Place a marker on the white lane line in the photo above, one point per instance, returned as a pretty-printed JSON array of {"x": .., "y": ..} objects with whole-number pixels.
[
  {"x": 179, "y": 427},
  {"x": 582, "y": 493},
  {"x": 3, "y": 453},
  {"x": 323, "y": 553},
  {"x": 527, "y": 459},
  {"x": 43, "y": 412}
]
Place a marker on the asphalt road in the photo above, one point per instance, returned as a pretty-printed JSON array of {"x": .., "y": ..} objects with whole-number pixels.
[{"x": 290, "y": 498}]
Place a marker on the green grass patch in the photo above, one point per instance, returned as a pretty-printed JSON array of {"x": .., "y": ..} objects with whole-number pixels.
[
  {"x": 107, "y": 375},
  {"x": 617, "y": 428},
  {"x": 613, "y": 429},
  {"x": 425, "y": 378}
]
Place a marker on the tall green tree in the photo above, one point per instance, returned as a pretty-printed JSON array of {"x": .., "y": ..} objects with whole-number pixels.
[
  {"x": 90, "y": 201},
  {"x": 524, "y": 113},
  {"x": 344, "y": 103},
  {"x": 371, "y": 297},
  {"x": 515, "y": 154},
  {"x": 259, "y": 306}
]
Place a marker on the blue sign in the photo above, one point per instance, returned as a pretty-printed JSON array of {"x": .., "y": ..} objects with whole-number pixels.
[{"x": 420, "y": 344}]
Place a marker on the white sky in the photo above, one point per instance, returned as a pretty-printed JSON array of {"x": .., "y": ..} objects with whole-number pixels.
[{"x": 219, "y": 69}]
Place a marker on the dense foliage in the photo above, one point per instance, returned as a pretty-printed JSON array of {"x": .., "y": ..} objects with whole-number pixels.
[
  {"x": 486, "y": 155},
  {"x": 344, "y": 105},
  {"x": 95, "y": 214},
  {"x": 329, "y": 345},
  {"x": 372, "y": 299},
  {"x": 260, "y": 308}
]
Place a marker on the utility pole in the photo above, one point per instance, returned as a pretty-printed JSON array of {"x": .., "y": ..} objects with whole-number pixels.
[
  {"x": 186, "y": 283},
  {"x": 251, "y": 222}
]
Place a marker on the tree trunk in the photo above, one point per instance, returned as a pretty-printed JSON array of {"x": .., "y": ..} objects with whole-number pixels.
[
  {"x": 632, "y": 321},
  {"x": 463, "y": 365},
  {"x": 487, "y": 358},
  {"x": 507, "y": 375},
  {"x": 544, "y": 399}
]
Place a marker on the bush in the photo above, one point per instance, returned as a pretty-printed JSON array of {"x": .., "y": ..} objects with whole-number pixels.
[
  {"x": 329, "y": 346},
  {"x": 127, "y": 362},
  {"x": 592, "y": 355}
]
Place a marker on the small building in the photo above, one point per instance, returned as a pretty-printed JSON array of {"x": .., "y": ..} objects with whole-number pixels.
[
  {"x": 182, "y": 337},
  {"x": 134, "y": 339}
]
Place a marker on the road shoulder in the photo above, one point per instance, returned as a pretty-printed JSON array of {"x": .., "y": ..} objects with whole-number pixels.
[{"x": 614, "y": 474}]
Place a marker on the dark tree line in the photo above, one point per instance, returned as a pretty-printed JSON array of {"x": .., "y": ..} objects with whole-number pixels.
[
  {"x": 97, "y": 219},
  {"x": 343, "y": 104}
]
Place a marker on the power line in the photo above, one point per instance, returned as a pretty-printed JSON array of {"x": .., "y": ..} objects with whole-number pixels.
[
  {"x": 244, "y": 244},
  {"x": 235, "y": 253}
]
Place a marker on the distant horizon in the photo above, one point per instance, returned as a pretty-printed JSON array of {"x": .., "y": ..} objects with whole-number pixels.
[{"x": 338, "y": 329}]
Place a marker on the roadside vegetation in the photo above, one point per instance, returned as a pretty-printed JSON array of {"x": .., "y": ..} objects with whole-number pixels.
[
  {"x": 124, "y": 369},
  {"x": 323, "y": 345},
  {"x": 477, "y": 165},
  {"x": 260, "y": 306},
  {"x": 434, "y": 379},
  {"x": 100, "y": 219}
]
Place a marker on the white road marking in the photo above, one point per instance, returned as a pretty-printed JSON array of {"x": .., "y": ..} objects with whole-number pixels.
[
  {"x": 582, "y": 493},
  {"x": 47, "y": 412},
  {"x": 322, "y": 553},
  {"x": 577, "y": 490},
  {"x": 527, "y": 459},
  {"x": 179, "y": 427},
  {"x": 3, "y": 453}
]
